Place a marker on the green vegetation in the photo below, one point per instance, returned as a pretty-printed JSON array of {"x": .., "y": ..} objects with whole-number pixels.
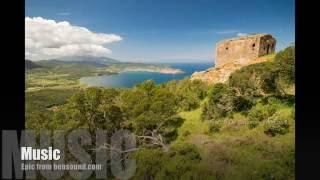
[
  {"x": 285, "y": 61},
  {"x": 181, "y": 162},
  {"x": 188, "y": 93},
  {"x": 55, "y": 74},
  {"x": 278, "y": 123},
  {"x": 63, "y": 74},
  {"x": 242, "y": 129},
  {"x": 275, "y": 77},
  {"x": 41, "y": 104}
]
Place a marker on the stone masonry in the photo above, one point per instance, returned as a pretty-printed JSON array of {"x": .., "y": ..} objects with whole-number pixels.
[
  {"x": 243, "y": 49},
  {"x": 233, "y": 54}
]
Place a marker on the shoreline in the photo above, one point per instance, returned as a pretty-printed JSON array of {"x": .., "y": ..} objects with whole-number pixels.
[{"x": 162, "y": 71}]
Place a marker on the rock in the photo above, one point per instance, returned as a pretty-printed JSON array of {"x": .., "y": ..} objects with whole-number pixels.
[{"x": 221, "y": 74}]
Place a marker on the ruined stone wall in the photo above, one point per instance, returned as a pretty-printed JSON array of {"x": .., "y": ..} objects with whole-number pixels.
[
  {"x": 244, "y": 49},
  {"x": 267, "y": 45}
]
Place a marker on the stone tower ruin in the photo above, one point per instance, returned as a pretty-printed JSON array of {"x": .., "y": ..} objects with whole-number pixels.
[{"x": 243, "y": 49}]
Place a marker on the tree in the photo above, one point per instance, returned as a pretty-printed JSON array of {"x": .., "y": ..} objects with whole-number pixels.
[
  {"x": 149, "y": 163},
  {"x": 93, "y": 109},
  {"x": 285, "y": 62},
  {"x": 266, "y": 78},
  {"x": 152, "y": 113},
  {"x": 189, "y": 93},
  {"x": 220, "y": 102},
  {"x": 255, "y": 80}
]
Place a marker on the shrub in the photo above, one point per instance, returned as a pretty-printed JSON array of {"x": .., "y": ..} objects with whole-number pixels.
[
  {"x": 271, "y": 170},
  {"x": 271, "y": 77},
  {"x": 271, "y": 100},
  {"x": 174, "y": 164},
  {"x": 287, "y": 100},
  {"x": 217, "y": 92},
  {"x": 189, "y": 93},
  {"x": 223, "y": 101},
  {"x": 285, "y": 62},
  {"x": 181, "y": 159},
  {"x": 255, "y": 80},
  {"x": 189, "y": 102},
  {"x": 259, "y": 113},
  {"x": 220, "y": 102},
  {"x": 253, "y": 123},
  {"x": 210, "y": 112},
  {"x": 186, "y": 133},
  {"x": 278, "y": 123},
  {"x": 214, "y": 126},
  {"x": 149, "y": 163},
  {"x": 242, "y": 103},
  {"x": 189, "y": 151}
]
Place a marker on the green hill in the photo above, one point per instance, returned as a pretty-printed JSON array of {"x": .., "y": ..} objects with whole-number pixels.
[
  {"x": 186, "y": 129},
  {"x": 31, "y": 65}
]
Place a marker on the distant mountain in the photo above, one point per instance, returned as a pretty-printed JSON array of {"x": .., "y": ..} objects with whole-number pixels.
[
  {"x": 31, "y": 65},
  {"x": 89, "y": 60}
]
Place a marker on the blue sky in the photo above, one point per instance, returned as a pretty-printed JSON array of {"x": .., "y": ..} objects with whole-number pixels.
[{"x": 171, "y": 30}]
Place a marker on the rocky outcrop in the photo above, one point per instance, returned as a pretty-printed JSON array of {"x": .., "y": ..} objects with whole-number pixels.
[{"x": 221, "y": 73}]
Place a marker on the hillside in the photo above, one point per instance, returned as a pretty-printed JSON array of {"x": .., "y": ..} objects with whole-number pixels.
[
  {"x": 236, "y": 151},
  {"x": 81, "y": 60},
  {"x": 30, "y": 65},
  {"x": 66, "y": 73},
  {"x": 241, "y": 129},
  {"x": 89, "y": 60}
]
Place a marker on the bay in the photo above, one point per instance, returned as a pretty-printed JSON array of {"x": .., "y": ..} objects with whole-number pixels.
[{"x": 131, "y": 78}]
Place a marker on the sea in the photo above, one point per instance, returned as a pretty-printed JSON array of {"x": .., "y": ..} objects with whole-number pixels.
[{"x": 131, "y": 78}]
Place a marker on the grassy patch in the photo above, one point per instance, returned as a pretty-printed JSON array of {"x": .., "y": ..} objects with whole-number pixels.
[
  {"x": 192, "y": 124},
  {"x": 41, "y": 100},
  {"x": 237, "y": 152}
]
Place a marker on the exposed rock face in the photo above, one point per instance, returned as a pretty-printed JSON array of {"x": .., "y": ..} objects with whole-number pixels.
[
  {"x": 233, "y": 54},
  {"x": 221, "y": 73}
]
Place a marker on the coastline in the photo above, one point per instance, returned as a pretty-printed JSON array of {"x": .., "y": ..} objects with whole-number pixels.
[{"x": 160, "y": 70}]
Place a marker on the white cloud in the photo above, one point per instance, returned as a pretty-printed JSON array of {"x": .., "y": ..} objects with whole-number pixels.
[
  {"x": 48, "y": 39},
  {"x": 242, "y": 34}
]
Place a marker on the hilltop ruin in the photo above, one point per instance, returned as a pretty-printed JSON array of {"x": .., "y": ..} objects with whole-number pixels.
[
  {"x": 232, "y": 54},
  {"x": 243, "y": 49}
]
